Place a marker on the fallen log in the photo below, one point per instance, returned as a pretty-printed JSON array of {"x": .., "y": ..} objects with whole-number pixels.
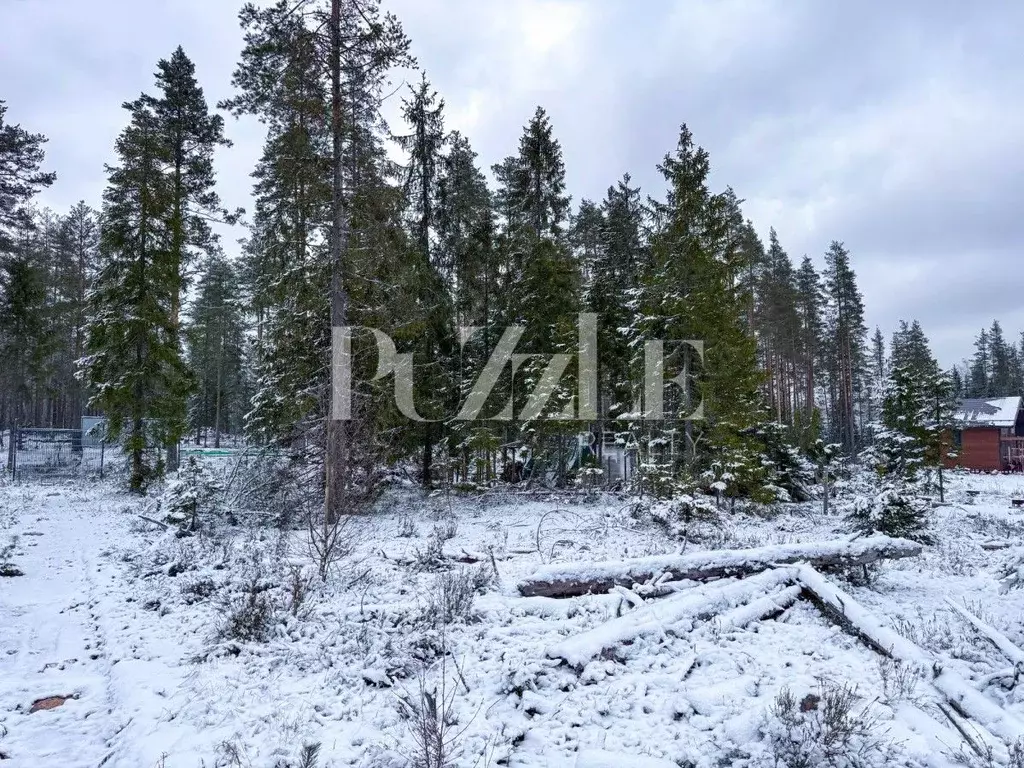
[
  {"x": 768, "y": 607},
  {"x": 572, "y": 579},
  {"x": 961, "y": 696},
  {"x": 677, "y": 612},
  {"x": 990, "y": 633}
]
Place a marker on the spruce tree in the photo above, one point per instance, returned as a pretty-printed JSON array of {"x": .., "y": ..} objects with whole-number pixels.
[
  {"x": 542, "y": 281},
  {"x": 436, "y": 368},
  {"x": 215, "y": 343},
  {"x": 1001, "y": 378},
  {"x": 190, "y": 135},
  {"x": 620, "y": 256},
  {"x": 689, "y": 291},
  {"x": 979, "y": 376},
  {"x": 133, "y": 363},
  {"x": 465, "y": 244},
  {"x": 844, "y": 345},
  {"x": 810, "y": 302}
]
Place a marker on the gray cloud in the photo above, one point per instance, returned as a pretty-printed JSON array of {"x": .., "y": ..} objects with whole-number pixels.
[{"x": 897, "y": 128}]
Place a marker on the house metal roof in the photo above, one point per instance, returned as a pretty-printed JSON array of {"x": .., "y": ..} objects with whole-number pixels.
[{"x": 988, "y": 411}]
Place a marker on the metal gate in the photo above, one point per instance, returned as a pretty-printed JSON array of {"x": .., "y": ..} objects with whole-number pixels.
[{"x": 54, "y": 453}]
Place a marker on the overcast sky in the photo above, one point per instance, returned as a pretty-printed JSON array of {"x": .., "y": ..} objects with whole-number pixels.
[{"x": 897, "y": 128}]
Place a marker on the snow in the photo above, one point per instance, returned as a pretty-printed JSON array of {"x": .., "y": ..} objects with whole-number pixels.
[
  {"x": 127, "y": 618},
  {"x": 642, "y": 569},
  {"x": 989, "y": 412},
  {"x": 672, "y": 614}
]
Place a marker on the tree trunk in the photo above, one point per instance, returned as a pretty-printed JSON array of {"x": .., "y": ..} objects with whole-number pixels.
[
  {"x": 336, "y": 453},
  {"x": 570, "y": 580}
]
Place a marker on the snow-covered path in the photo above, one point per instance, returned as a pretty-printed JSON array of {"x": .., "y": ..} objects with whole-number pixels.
[{"x": 52, "y": 638}]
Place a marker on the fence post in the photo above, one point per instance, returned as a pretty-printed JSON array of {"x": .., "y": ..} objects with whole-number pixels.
[
  {"x": 13, "y": 455},
  {"x": 103, "y": 444}
]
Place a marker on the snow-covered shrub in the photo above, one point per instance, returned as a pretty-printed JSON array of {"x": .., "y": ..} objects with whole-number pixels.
[
  {"x": 681, "y": 515},
  {"x": 406, "y": 527},
  {"x": 1010, "y": 570},
  {"x": 193, "y": 495},
  {"x": 899, "y": 679},
  {"x": 431, "y": 557},
  {"x": 453, "y": 593},
  {"x": 433, "y": 725},
  {"x": 252, "y": 611},
  {"x": 198, "y": 589},
  {"x": 826, "y": 729},
  {"x": 982, "y": 755},
  {"x": 893, "y": 511},
  {"x": 7, "y": 567},
  {"x": 446, "y": 530},
  {"x": 655, "y": 479}
]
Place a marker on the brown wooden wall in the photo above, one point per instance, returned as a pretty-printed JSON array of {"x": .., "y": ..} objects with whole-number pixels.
[{"x": 979, "y": 449}]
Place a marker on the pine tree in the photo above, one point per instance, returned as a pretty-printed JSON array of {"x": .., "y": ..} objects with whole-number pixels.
[
  {"x": 133, "y": 363},
  {"x": 79, "y": 243},
  {"x": 331, "y": 59},
  {"x": 21, "y": 155},
  {"x": 26, "y": 340},
  {"x": 779, "y": 324},
  {"x": 22, "y": 277}
]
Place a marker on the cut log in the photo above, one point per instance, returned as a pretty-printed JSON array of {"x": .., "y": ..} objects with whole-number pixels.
[
  {"x": 676, "y": 612},
  {"x": 572, "y": 579},
  {"x": 964, "y": 699}
]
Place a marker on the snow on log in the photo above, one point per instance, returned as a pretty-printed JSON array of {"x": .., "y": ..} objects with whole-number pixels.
[
  {"x": 769, "y": 606},
  {"x": 676, "y": 611},
  {"x": 961, "y": 695},
  {"x": 993, "y": 635},
  {"x": 571, "y": 579}
]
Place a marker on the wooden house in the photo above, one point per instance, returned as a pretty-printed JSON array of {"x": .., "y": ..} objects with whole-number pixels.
[{"x": 989, "y": 435}]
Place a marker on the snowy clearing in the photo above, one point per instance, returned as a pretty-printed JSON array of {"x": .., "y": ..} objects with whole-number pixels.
[{"x": 129, "y": 622}]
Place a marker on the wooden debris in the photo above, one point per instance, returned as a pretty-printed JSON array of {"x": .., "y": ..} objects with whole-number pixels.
[
  {"x": 572, "y": 579},
  {"x": 676, "y": 613},
  {"x": 48, "y": 702},
  {"x": 993, "y": 546},
  {"x": 990, "y": 633},
  {"x": 961, "y": 696}
]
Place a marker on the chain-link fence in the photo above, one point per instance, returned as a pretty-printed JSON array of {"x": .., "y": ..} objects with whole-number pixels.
[{"x": 54, "y": 453}]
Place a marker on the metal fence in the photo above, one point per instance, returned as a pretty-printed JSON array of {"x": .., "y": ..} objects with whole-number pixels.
[{"x": 54, "y": 453}]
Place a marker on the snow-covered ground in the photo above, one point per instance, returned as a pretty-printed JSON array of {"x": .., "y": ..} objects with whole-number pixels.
[{"x": 132, "y": 623}]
